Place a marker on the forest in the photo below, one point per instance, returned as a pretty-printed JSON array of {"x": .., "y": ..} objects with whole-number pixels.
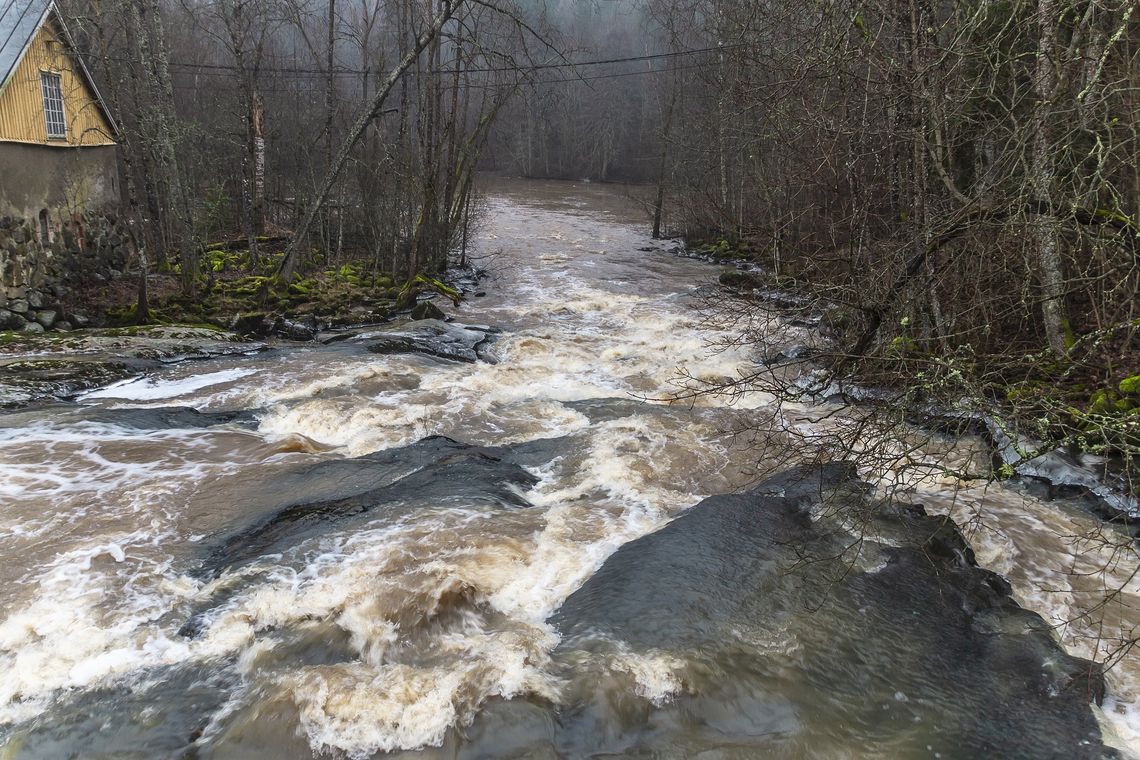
[{"x": 959, "y": 180}]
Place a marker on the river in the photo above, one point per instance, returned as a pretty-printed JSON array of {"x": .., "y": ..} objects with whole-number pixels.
[{"x": 277, "y": 555}]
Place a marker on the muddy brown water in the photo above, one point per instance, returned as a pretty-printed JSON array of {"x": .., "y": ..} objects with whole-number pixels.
[{"x": 155, "y": 602}]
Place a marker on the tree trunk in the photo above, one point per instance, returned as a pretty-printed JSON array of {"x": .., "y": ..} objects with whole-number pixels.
[
  {"x": 663, "y": 157},
  {"x": 156, "y": 64},
  {"x": 254, "y": 181},
  {"x": 1045, "y": 226}
]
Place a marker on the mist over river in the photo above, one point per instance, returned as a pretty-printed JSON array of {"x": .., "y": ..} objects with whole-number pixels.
[{"x": 321, "y": 550}]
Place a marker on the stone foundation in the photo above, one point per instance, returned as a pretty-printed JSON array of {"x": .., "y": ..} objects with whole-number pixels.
[{"x": 36, "y": 274}]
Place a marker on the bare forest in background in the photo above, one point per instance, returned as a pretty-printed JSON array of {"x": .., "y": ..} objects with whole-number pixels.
[
  {"x": 959, "y": 180},
  {"x": 357, "y": 123}
]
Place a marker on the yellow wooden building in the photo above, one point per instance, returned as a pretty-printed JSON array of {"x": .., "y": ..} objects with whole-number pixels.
[{"x": 57, "y": 137}]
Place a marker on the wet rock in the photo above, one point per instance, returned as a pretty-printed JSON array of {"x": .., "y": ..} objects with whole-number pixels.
[
  {"x": 434, "y": 471},
  {"x": 63, "y": 326},
  {"x": 10, "y": 320},
  {"x": 336, "y": 336},
  {"x": 906, "y": 643},
  {"x": 432, "y": 337},
  {"x": 26, "y": 380},
  {"x": 427, "y": 310},
  {"x": 35, "y": 299},
  {"x": 252, "y": 323},
  {"x": 304, "y": 329},
  {"x": 740, "y": 280},
  {"x": 787, "y": 355},
  {"x": 36, "y": 367},
  {"x": 163, "y": 418},
  {"x": 46, "y": 317},
  {"x": 19, "y": 305},
  {"x": 80, "y": 320},
  {"x": 1062, "y": 474}
]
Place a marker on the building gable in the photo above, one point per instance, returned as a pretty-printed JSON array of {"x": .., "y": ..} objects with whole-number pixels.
[{"x": 46, "y": 61}]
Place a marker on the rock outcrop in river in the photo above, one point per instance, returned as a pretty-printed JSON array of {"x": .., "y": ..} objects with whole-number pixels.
[
  {"x": 60, "y": 366},
  {"x": 777, "y": 618}
]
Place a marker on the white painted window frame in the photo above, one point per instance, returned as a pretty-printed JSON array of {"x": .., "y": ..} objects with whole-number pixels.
[{"x": 49, "y": 80}]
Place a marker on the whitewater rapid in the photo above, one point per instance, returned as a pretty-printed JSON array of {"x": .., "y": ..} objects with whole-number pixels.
[{"x": 392, "y": 631}]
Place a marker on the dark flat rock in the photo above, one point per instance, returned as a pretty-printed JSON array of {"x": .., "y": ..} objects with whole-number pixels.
[
  {"x": 432, "y": 337},
  {"x": 433, "y": 472},
  {"x": 785, "y": 632}
]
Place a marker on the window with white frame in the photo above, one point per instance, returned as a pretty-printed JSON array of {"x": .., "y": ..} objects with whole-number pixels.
[{"x": 53, "y": 105}]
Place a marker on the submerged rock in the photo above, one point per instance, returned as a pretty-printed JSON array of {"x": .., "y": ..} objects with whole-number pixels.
[{"x": 434, "y": 472}]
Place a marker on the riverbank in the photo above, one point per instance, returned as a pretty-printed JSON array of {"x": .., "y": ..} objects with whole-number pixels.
[
  {"x": 229, "y": 317},
  {"x": 235, "y": 294},
  {"x": 1073, "y": 421}
]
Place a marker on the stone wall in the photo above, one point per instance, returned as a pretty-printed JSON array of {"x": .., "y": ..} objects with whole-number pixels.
[{"x": 36, "y": 276}]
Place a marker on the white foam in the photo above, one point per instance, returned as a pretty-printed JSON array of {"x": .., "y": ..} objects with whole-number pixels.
[
  {"x": 151, "y": 388},
  {"x": 657, "y": 674},
  {"x": 65, "y": 638}
]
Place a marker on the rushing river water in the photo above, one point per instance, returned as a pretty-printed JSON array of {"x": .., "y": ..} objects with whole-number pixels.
[{"x": 262, "y": 556}]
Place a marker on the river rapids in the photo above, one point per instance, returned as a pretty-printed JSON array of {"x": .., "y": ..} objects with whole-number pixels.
[{"x": 332, "y": 551}]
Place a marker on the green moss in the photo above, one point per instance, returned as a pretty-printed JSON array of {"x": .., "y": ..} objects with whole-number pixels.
[
  {"x": 121, "y": 314},
  {"x": 1102, "y": 401},
  {"x": 446, "y": 290},
  {"x": 1026, "y": 390},
  {"x": 1130, "y": 385}
]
